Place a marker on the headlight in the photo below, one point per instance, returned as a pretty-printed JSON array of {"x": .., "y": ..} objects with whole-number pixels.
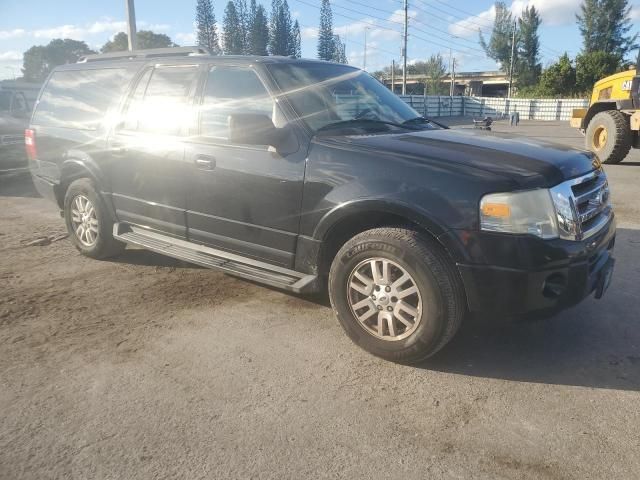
[{"x": 531, "y": 212}]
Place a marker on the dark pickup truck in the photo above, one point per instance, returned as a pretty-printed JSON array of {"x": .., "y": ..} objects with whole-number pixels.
[
  {"x": 14, "y": 118},
  {"x": 305, "y": 175}
]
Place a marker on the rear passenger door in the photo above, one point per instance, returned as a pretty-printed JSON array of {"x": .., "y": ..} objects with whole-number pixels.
[
  {"x": 149, "y": 173},
  {"x": 242, "y": 198}
]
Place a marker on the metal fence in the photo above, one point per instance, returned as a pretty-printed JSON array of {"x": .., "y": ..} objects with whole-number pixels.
[{"x": 527, "y": 108}]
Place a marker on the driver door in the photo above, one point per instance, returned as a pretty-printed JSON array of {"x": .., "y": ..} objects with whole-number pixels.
[{"x": 242, "y": 198}]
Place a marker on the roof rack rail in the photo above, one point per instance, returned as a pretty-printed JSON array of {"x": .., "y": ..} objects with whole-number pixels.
[{"x": 149, "y": 53}]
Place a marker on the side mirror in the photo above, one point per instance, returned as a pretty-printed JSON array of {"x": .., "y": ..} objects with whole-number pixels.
[
  {"x": 252, "y": 129},
  {"x": 258, "y": 129}
]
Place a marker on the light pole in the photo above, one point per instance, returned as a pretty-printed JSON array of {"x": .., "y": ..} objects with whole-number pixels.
[
  {"x": 364, "y": 62},
  {"x": 131, "y": 24}
]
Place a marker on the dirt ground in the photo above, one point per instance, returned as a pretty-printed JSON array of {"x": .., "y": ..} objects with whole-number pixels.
[{"x": 145, "y": 367}]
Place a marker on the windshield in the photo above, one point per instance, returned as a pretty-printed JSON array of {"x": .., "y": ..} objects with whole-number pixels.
[
  {"x": 5, "y": 101},
  {"x": 328, "y": 94}
]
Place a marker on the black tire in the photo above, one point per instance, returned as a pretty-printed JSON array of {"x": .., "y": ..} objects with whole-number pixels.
[
  {"x": 618, "y": 136},
  {"x": 105, "y": 245},
  {"x": 436, "y": 278}
]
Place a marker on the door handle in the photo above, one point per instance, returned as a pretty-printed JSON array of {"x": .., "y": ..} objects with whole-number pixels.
[{"x": 205, "y": 162}]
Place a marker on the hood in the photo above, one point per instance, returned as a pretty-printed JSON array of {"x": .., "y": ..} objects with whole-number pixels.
[{"x": 530, "y": 163}]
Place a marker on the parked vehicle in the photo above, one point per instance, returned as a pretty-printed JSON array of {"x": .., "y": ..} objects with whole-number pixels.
[
  {"x": 305, "y": 175},
  {"x": 14, "y": 118},
  {"x": 612, "y": 121}
]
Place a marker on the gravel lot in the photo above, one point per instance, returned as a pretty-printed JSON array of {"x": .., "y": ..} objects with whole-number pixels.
[{"x": 145, "y": 367}]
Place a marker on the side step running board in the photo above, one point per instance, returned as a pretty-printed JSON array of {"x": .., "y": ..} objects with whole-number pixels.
[{"x": 217, "y": 259}]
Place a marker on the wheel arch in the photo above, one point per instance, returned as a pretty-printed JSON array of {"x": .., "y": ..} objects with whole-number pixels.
[
  {"x": 603, "y": 106},
  {"x": 344, "y": 222},
  {"x": 74, "y": 168}
]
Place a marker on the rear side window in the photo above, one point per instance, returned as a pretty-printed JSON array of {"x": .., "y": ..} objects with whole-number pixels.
[
  {"x": 80, "y": 98},
  {"x": 161, "y": 104}
]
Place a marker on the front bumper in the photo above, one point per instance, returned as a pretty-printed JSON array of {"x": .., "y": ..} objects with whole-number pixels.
[{"x": 526, "y": 276}]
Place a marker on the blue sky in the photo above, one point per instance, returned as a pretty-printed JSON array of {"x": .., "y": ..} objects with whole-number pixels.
[{"x": 435, "y": 26}]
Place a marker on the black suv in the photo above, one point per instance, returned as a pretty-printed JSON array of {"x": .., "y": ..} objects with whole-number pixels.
[{"x": 302, "y": 174}]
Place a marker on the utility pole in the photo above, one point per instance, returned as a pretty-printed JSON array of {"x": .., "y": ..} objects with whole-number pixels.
[
  {"x": 404, "y": 48},
  {"x": 131, "y": 24},
  {"x": 513, "y": 51},
  {"x": 450, "y": 73},
  {"x": 393, "y": 76},
  {"x": 453, "y": 76},
  {"x": 364, "y": 66}
]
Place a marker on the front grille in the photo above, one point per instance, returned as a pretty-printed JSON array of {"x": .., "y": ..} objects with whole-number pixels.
[{"x": 582, "y": 205}]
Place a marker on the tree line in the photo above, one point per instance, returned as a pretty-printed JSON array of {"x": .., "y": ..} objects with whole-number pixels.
[
  {"x": 247, "y": 29},
  {"x": 605, "y": 27}
]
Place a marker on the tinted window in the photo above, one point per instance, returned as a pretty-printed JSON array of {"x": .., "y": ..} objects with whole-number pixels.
[
  {"x": 324, "y": 93},
  {"x": 5, "y": 100},
  {"x": 162, "y": 105},
  {"x": 80, "y": 98},
  {"x": 232, "y": 90},
  {"x": 135, "y": 103}
]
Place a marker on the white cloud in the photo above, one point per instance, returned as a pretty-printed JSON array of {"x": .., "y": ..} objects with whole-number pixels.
[
  {"x": 469, "y": 27},
  {"x": 81, "y": 32},
  {"x": 552, "y": 12},
  {"x": 16, "y": 32},
  {"x": 10, "y": 55},
  {"x": 309, "y": 33},
  {"x": 185, "y": 38}
]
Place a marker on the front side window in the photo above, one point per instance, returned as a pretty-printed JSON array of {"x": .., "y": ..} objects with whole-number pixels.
[
  {"x": 80, "y": 98},
  {"x": 232, "y": 90},
  {"x": 160, "y": 104}
]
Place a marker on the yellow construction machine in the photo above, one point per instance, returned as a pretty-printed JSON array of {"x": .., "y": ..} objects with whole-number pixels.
[{"x": 612, "y": 121}]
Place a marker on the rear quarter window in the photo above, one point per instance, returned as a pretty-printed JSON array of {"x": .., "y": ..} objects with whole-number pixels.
[{"x": 80, "y": 98}]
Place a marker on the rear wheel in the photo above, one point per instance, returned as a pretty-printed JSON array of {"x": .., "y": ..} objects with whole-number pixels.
[
  {"x": 608, "y": 135},
  {"x": 396, "y": 294},
  {"x": 88, "y": 222}
]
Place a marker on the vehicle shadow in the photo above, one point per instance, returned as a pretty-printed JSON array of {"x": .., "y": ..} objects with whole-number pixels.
[
  {"x": 596, "y": 344},
  {"x": 17, "y": 184},
  {"x": 138, "y": 256}
]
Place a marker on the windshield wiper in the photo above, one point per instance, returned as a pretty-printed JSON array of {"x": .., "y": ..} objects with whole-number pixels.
[
  {"x": 356, "y": 121},
  {"x": 422, "y": 120}
]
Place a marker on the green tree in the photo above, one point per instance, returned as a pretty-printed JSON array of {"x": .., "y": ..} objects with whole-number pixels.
[
  {"x": 339, "y": 50},
  {"x": 529, "y": 67},
  {"x": 39, "y": 60},
  {"x": 605, "y": 26},
  {"x": 231, "y": 31},
  {"x": 558, "y": 80},
  {"x": 499, "y": 45},
  {"x": 326, "y": 44},
  {"x": 206, "y": 28},
  {"x": 593, "y": 66},
  {"x": 297, "y": 40},
  {"x": 280, "y": 29},
  {"x": 243, "y": 23},
  {"x": 145, "y": 39},
  {"x": 434, "y": 70},
  {"x": 258, "y": 35}
]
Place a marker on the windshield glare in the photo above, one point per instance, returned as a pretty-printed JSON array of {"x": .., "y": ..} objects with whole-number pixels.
[{"x": 324, "y": 94}]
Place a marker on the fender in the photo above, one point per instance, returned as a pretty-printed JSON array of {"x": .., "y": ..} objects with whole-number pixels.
[
  {"x": 602, "y": 106},
  {"x": 77, "y": 164},
  {"x": 359, "y": 206}
]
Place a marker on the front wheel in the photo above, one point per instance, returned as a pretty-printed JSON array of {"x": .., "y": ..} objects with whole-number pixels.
[
  {"x": 608, "y": 135},
  {"x": 396, "y": 294}
]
